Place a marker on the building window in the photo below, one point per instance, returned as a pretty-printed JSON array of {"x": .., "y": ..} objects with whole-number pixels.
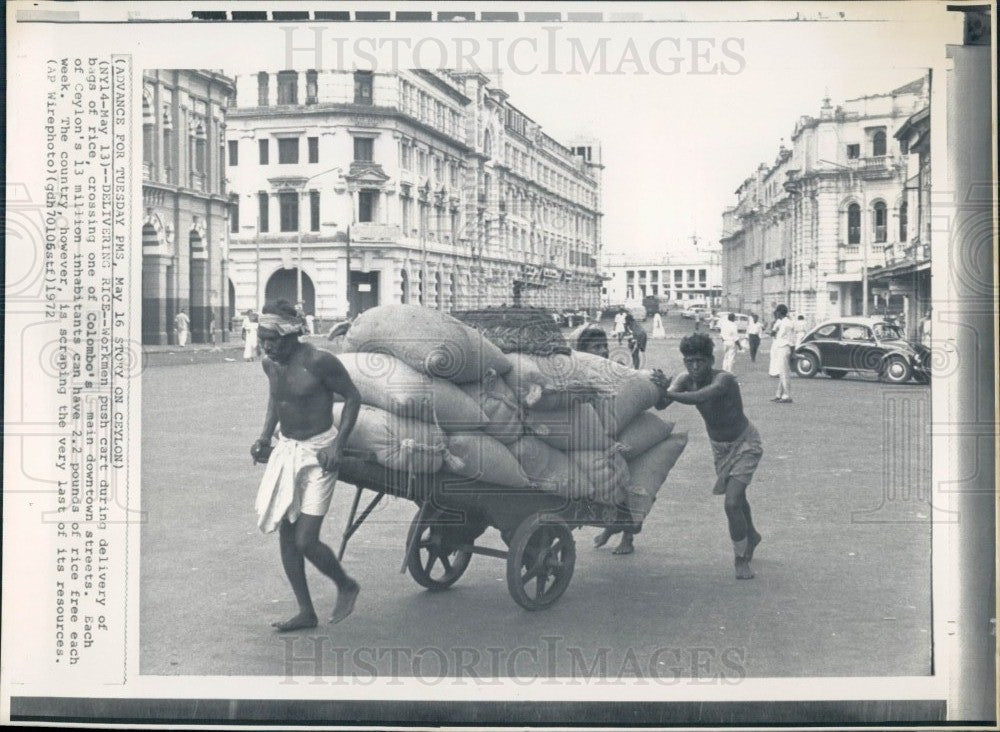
[
  {"x": 407, "y": 216},
  {"x": 262, "y": 147},
  {"x": 422, "y": 162},
  {"x": 234, "y": 152},
  {"x": 362, "y": 87},
  {"x": 234, "y": 214},
  {"x": 288, "y": 150},
  {"x": 854, "y": 224},
  {"x": 853, "y": 152},
  {"x": 903, "y": 211},
  {"x": 313, "y": 210},
  {"x": 364, "y": 149},
  {"x": 262, "y": 89},
  {"x": 878, "y": 144},
  {"x": 262, "y": 211},
  {"x": 288, "y": 83},
  {"x": 288, "y": 202},
  {"x": 366, "y": 206},
  {"x": 312, "y": 87},
  {"x": 879, "y": 222},
  {"x": 406, "y": 156},
  {"x": 168, "y": 168},
  {"x": 313, "y": 143}
]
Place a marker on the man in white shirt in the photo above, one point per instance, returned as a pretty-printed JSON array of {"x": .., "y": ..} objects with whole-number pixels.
[
  {"x": 730, "y": 341},
  {"x": 754, "y": 331}
]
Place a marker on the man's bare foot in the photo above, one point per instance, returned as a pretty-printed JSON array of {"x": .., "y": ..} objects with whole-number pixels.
[
  {"x": 346, "y": 597},
  {"x": 605, "y": 536},
  {"x": 625, "y": 546},
  {"x": 299, "y": 622},
  {"x": 752, "y": 543},
  {"x": 743, "y": 569}
]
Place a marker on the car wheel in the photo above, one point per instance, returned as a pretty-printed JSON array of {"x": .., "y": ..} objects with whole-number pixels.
[
  {"x": 835, "y": 374},
  {"x": 806, "y": 365},
  {"x": 897, "y": 371}
]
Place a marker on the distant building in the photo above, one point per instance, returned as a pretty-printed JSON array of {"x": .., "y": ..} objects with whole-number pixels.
[
  {"x": 355, "y": 189},
  {"x": 185, "y": 222},
  {"x": 906, "y": 276},
  {"x": 808, "y": 228},
  {"x": 683, "y": 277}
]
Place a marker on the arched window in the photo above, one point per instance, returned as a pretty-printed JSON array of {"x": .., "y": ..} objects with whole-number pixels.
[
  {"x": 487, "y": 144},
  {"x": 405, "y": 286},
  {"x": 854, "y": 224},
  {"x": 879, "y": 222},
  {"x": 878, "y": 144},
  {"x": 902, "y": 222}
]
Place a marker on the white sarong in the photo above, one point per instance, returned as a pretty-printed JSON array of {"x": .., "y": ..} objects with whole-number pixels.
[{"x": 294, "y": 481}]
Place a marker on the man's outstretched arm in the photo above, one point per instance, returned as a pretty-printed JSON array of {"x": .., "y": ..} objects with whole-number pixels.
[{"x": 720, "y": 383}]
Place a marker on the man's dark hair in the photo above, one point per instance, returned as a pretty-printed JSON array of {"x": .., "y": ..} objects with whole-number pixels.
[
  {"x": 280, "y": 307},
  {"x": 591, "y": 335},
  {"x": 697, "y": 344},
  {"x": 732, "y": 316},
  {"x": 781, "y": 311}
]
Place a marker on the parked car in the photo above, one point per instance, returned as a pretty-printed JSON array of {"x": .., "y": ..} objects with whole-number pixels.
[
  {"x": 868, "y": 345},
  {"x": 742, "y": 321},
  {"x": 694, "y": 310}
]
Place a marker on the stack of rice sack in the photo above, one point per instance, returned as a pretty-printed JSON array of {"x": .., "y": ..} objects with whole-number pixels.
[
  {"x": 596, "y": 411},
  {"x": 439, "y": 396}
]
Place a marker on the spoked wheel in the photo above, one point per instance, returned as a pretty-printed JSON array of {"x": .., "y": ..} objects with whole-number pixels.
[
  {"x": 540, "y": 561},
  {"x": 434, "y": 560}
]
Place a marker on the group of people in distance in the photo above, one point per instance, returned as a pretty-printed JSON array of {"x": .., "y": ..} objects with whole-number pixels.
[
  {"x": 303, "y": 448},
  {"x": 628, "y": 329}
]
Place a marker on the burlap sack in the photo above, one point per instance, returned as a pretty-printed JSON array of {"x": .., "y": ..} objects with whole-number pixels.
[
  {"x": 503, "y": 413},
  {"x": 388, "y": 383},
  {"x": 575, "y": 427},
  {"x": 648, "y": 471},
  {"x": 480, "y": 457},
  {"x": 427, "y": 340},
  {"x": 551, "y": 470},
  {"x": 642, "y": 433},
  {"x": 396, "y": 442},
  {"x": 606, "y": 470}
]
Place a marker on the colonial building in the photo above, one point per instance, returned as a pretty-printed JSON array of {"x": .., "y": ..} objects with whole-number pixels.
[
  {"x": 185, "y": 205},
  {"x": 906, "y": 276},
  {"x": 354, "y": 189},
  {"x": 693, "y": 276},
  {"x": 809, "y": 229}
]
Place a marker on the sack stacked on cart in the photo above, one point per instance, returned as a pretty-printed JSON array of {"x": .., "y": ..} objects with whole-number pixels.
[
  {"x": 417, "y": 363},
  {"x": 596, "y": 412}
]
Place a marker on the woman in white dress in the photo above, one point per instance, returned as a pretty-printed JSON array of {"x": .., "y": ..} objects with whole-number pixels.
[
  {"x": 781, "y": 351},
  {"x": 658, "y": 331}
]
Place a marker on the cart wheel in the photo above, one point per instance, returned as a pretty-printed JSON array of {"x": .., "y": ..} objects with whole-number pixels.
[
  {"x": 431, "y": 561},
  {"x": 540, "y": 561}
]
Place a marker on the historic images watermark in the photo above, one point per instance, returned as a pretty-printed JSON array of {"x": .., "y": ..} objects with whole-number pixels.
[
  {"x": 318, "y": 660},
  {"x": 548, "y": 51}
]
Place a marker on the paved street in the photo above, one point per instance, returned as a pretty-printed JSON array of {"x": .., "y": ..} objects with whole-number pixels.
[{"x": 843, "y": 573}]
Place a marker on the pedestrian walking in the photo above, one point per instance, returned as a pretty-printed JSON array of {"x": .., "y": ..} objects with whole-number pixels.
[
  {"x": 925, "y": 329},
  {"x": 619, "y": 330},
  {"x": 736, "y": 444},
  {"x": 636, "y": 339},
  {"x": 658, "y": 331},
  {"x": 730, "y": 341},
  {"x": 754, "y": 331},
  {"x": 297, "y": 486},
  {"x": 182, "y": 326},
  {"x": 250, "y": 325},
  {"x": 783, "y": 333}
]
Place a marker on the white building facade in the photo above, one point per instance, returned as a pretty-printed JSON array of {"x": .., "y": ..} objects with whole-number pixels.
[
  {"x": 355, "y": 189},
  {"x": 685, "y": 277},
  {"x": 808, "y": 229}
]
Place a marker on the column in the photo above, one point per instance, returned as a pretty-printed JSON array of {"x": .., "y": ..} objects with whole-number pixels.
[{"x": 156, "y": 326}]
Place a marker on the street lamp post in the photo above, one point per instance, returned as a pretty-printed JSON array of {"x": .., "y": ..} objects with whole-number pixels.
[{"x": 298, "y": 238}]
